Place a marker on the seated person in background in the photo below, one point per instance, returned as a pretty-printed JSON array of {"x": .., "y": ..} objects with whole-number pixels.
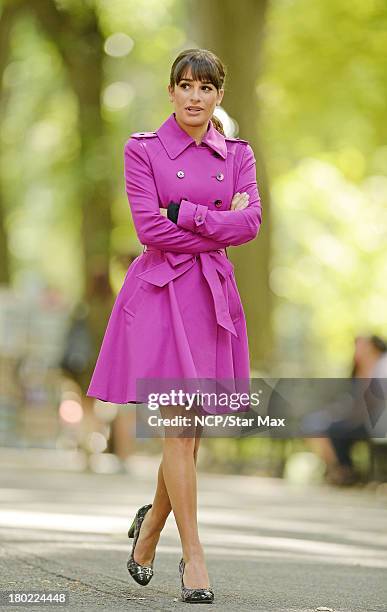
[{"x": 370, "y": 362}]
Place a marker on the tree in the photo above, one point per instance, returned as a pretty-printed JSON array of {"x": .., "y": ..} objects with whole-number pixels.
[
  {"x": 235, "y": 33},
  {"x": 6, "y": 20},
  {"x": 77, "y": 37}
]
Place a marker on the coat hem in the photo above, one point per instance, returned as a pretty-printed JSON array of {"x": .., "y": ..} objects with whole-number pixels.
[{"x": 105, "y": 398}]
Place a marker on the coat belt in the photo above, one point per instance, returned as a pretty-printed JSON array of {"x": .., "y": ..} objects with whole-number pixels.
[{"x": 214, "y": 263}]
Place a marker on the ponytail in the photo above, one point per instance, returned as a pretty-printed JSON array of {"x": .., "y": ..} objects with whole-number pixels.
[{"x": 218, "y": 125}]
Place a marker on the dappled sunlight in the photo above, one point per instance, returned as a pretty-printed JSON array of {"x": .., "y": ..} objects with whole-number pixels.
[
  {"x": 118, "y": 44},
  {"x": 214, "y": 539}
]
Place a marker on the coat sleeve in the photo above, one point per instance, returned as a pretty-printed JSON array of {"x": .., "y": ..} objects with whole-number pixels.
[
  {"x": 151, "y": 226},
  {"x": 232, "y": 226}
]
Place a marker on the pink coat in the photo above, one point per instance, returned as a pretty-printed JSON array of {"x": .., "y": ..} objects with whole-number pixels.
[{"x": 178, "y": 314}]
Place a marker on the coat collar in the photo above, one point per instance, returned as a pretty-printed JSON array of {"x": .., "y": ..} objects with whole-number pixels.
[{"x": 175, "y": 140}]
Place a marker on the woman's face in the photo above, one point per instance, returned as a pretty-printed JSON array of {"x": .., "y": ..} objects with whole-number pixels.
[
  {"x": 364, "y": 350},
  {"x": 199, "y": 94}
]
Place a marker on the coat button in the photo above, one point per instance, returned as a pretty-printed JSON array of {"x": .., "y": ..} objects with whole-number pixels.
[
  {"x": 220, "y": 176},
  {"x": 180, "y": 173},
  {"x": 218, "y": 203}
]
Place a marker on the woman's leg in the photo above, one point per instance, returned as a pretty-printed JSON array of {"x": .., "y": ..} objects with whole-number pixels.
[
  {"x": 156, "y": 517},
  {"x": 179, "y": 469}
]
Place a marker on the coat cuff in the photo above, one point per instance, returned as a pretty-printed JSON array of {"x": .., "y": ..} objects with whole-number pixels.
[
  {"x": 191, "y": 215},
  {"x": 173, "y": 211}
]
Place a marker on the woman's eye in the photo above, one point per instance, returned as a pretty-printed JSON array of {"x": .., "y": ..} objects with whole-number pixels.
[{"x": 187, "y": 85}]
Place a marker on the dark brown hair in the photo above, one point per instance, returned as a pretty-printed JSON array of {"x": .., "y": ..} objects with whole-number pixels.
[
  {"x": 377, "y": 342},
  {"x": 205, "y": 66}
]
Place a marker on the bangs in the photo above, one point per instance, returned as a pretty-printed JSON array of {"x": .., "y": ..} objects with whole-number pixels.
[{"x": 202, "y": 69}]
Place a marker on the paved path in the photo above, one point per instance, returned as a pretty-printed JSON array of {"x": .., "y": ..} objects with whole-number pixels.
[{"x": 269, "y": 545}]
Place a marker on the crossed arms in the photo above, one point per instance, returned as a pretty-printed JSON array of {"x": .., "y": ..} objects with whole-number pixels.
[{"x": 198, "y": 229}]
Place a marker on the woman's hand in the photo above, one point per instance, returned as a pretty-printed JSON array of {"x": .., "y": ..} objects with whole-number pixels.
[{"x": 240, "y": 201}]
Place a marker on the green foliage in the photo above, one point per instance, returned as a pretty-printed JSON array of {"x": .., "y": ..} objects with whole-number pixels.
[
  {"x": 322, "y": 107},
  {"x": 324, "y": 82}
]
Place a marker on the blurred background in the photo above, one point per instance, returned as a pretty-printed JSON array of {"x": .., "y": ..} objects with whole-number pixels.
[{"x": 307, "y": 87}]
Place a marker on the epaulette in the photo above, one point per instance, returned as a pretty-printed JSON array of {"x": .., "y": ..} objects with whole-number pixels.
[
  {"x": 236, "y": 139},
  {"x": 143, "y": 135}
]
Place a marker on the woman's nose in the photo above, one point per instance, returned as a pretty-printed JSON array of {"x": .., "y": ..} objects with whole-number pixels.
[{"x": 195, "y": 95}]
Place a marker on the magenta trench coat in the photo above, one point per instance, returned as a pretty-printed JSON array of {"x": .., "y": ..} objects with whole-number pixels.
[{"x": 178, "y": 313}]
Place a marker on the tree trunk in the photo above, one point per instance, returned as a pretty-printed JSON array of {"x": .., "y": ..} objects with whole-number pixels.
[
  {"x": 234, "y": 32},
  {"x": 6, "y": 20},
  {"x": 81, "y": 45}
]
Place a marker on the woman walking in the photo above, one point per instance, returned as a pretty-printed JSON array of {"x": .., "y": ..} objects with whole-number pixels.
[{"x": 192, "y": 192}]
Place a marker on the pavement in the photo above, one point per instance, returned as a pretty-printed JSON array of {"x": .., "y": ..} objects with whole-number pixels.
[{"x": 269, "y": 544}]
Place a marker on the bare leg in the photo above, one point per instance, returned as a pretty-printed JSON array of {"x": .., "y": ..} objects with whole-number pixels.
[
  {"x": 123, "y": 438},
  {"x": 324, "y": 449},
  {"x": 156, "y": 517},
  {"x": 179, "y": 469}
]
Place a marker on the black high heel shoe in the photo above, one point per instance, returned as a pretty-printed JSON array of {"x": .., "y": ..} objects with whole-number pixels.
[
  {"x": 194, "y": 595},
  {"x": 142, "y": 574}
]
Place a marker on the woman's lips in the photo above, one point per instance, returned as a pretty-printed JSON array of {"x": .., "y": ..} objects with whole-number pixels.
[{"x": 194, "y": 111}]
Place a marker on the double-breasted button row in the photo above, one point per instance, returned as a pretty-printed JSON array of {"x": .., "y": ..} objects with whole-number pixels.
[
  {"x": 217, "y": 203},
  {"x": 181, "y": 174}
]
